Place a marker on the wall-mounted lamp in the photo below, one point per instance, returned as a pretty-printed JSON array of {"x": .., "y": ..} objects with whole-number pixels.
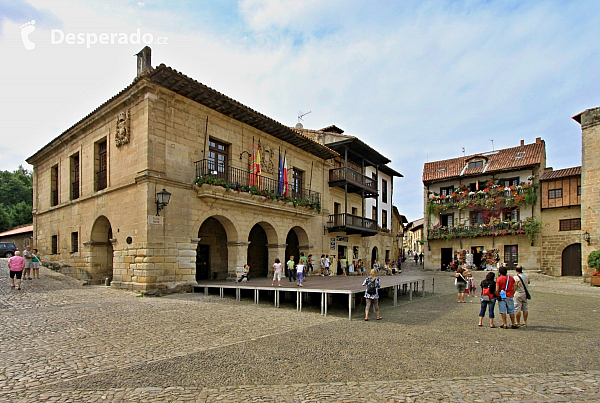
[
  {"x": 586, "y": 237},
  {"x": 397, "y": 238},
  {"x": 162, "y": 200},
  {"x": 328, "y": 225},
  {"x": 245, "y": 152}
]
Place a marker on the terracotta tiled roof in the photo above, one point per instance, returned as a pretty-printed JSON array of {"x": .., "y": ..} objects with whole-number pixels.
[
  {"x": 560, "y": 173},
  {"x": 502, "y": 160},
  {"x": 18, "y": 230}
]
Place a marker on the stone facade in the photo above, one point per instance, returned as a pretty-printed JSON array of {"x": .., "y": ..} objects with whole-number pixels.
[
  {"x": 95, "y": 186},
  {"x": 590, "y": 183},
  {"x": 555, "y": 241}
]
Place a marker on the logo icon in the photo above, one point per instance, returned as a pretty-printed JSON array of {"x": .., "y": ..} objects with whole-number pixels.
[{"x": 26, "y": 29}]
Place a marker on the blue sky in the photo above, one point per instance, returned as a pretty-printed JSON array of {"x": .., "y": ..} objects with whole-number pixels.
[{"x": 417, "y": 80}]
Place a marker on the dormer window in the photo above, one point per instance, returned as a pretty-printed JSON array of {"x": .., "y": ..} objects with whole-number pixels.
[{"x": 475, "y": 164}]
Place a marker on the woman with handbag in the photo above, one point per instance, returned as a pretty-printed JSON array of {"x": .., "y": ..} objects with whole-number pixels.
[
  {"x": 461, "y": 284},
  {"x": 488, "y": 300}
]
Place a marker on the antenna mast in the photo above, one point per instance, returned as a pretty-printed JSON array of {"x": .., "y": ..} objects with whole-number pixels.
[{"x": 301, "y": 115}]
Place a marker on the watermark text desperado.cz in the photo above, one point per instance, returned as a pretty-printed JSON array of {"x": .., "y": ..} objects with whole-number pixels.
[{"x": 88, "y": 39}]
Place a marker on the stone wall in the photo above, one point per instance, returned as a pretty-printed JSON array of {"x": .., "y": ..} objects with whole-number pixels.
[{"x": 555, "y": 241}]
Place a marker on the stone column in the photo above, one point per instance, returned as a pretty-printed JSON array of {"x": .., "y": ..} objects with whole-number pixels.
[
  {"x": 590, "y": 183},
  {"x": 276, "y": 251},
  {"x": 237, "y": 253}
]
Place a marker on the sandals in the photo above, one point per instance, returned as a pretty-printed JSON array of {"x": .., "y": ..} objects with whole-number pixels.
[
  {"x": 379, "y": 318},
  {"x": 480, "y": 325},
  {"x": 366, "y": 319}
]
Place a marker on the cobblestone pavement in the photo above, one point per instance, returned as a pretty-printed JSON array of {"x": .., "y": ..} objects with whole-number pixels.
[{"x": 62, "y": 342}]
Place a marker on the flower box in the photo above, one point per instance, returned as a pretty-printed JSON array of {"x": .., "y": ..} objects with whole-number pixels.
[{"x": 595, "y": 281}]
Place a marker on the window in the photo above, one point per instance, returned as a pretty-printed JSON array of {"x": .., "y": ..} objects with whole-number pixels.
[
  {"x": 511, "y": 214},
  {"x": 555, "y": 194},
  {"x": 54, "y": 185},
  {"x": 447, "y": 190},
  {"x": 579, "y": 190},
  {"x": 74, "y": 242},
  {"x": 387, "y": 255},
  {"x": 218, "y": 154},
  {"x": 476, "y": 218},
  {"x": 447, "y": 220},
  {"x": 509, "y": 181},
  {"x": 75, "y": 176},
  {"x": 354, "y": 211},
  {"x": 374, "y": 213},
  {"x": 475, "y": 186},
  {"x": 569, "y": 225},
  {"x": 475, "y": 164},
  {"x": 297, "y": 176},
  {"x": 54, "y": 244},
  {"x": 100, "y": 164},
  {"x": 384, "y": 191},
  {"x": 384, "y": 219}
]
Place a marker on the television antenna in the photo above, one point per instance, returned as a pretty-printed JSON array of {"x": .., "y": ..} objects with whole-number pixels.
[
  {"x": 492, "y": 140},
  {"x": 301, "y": 115}
]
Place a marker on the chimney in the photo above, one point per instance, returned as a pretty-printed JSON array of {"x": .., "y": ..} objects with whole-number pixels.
[
  {"x": 538, "y": 139},
  {"x": 522, "y": 143},
  {"x": 143, "y": 61}
]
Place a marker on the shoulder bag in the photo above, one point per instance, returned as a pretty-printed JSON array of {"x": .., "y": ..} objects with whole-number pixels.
[{"x": 525, "y": 287}]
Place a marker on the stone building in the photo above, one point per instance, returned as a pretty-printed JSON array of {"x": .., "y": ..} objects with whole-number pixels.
[
  {"x": 21, "y": 236},
  {"x": 479, "y": 209},
  {"x": 97, "y": 213},
  {"x": 414, "y": 237},
  {"x": 590, "y": 183},
  {"x": 561, "y": 222}
]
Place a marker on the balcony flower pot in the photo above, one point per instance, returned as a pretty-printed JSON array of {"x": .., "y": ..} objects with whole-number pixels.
[{"x": 595, "y": 281}]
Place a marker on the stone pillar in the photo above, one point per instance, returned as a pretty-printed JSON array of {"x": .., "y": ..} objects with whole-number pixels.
[
  {"x": 276, "y": 251},
  {"x": 237, "y": 253},
  {"x": 590, "y": 183}
]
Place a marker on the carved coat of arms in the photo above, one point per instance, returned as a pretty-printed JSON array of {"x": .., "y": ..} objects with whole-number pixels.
[{"x": 122, "y": 134}]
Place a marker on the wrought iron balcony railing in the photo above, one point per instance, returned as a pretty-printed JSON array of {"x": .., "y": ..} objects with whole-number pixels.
[
  {"x": 462, "y": 231},
  {"x": 349, "y": 222},
  {"x": 354, "y": 177}
]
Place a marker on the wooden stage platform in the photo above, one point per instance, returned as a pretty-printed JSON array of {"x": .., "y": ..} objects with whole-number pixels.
[{"x": 325, "y": 286}]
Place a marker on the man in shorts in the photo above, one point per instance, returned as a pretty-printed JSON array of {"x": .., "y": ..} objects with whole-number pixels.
[
  {"x": 16, "y": 265},
  {"x": 521, "y": 281},
  {"x": 27, "y": 255},
  {"x": 507, "y": 284}
]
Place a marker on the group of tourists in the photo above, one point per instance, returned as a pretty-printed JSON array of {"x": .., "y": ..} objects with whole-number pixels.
[
  {"x": 24, "y": 267},
  {"x": 509, "y": 292}
]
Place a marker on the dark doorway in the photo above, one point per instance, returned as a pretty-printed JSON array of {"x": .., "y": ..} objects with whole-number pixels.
[
  {"x": 202, "y": 262},
  {"x": 446, "y": 258},
  {"x": 571, "y": 260},
  {"x": 258, "y": 253},
  {"x": 374, "y": 257},
  {"x": 214, "y": 237},
  {"x": 476, "y": 251},
  {"x": 292, "y": 248},
  {"x": 511, "y": 256}
]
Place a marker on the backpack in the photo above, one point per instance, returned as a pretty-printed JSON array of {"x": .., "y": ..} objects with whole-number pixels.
[
  {"x": 371, "y": 288},
  {"x": 486, "y": 291}
]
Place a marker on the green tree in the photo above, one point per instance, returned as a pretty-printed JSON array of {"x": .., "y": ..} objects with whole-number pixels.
[{"x": 16, "y": 198}]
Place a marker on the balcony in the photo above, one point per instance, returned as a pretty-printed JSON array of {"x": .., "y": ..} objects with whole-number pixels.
[
  {"x": 492, "y": 197},
  {"x": 352, "y": 224},
  {"x": 356, "y": 181},
  {"x": 475, "y": 231},
  {"x": 241, "y": 181}
]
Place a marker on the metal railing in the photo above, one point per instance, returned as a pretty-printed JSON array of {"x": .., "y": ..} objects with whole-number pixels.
[
  {"x": 353, "y": 221},
  {"x": 239, "y": 178},
  {"x": 354, "y": 176},
  {"x": 462, "y": 231}
]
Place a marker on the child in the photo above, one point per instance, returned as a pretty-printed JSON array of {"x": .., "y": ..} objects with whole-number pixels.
[
  {"x": 470, "y": 285},
  {"x": 300, "y": 273},
  {"x": 245, "y": 273}
]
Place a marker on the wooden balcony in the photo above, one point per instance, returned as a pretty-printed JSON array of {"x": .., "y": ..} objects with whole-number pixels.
[
  {"x": 352, "y": 224},
  {"x": 356, "y": 181}
]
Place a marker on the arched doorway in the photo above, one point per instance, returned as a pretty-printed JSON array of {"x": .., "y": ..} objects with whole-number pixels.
[
  {"x": 211, "y": 254},
  {"x": 571, "y": 260},
  {"x": 102, "y": 251},
  {"x": 373, "y": 257},
  {"x": 258, "y": 253},
  {"x": 292, "y": 248}
]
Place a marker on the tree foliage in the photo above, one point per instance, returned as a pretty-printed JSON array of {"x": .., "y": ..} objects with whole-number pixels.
[{"x": 16, "y": 198}]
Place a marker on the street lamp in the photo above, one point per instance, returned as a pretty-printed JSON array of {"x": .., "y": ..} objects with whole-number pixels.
[
  {"x": 162, "y": 200},
  {"x": 586, "y": 237}
]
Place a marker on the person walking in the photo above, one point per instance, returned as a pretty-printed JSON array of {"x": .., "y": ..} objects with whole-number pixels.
[
  {"x": 16, "y": 264},
  {"x": 310, "y": 264},
  {"x": 303, "y": 261},
  {"x": 421, "y": 257},
  {"x": 291, "y": 269},
  {"x": 376, "y": 266},
  {"x": 35, "y": 264},
  {"x": 371, "y": 296},
  {"x": 276, "y": 272},
  {"x": 505, "y": 292},
  {"x": 416, "y": 257},
  {"x": 488, "y": 298},
  {"x": 461, "y": 284},
  {"x": 245, "y": 274},
  {"x": 300, "y": 268},
  {"x": 27, "y": 255},
  {"x": 521, "y": 291}
]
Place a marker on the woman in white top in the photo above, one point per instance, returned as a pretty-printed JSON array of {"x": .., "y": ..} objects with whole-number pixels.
[{"x": 276, "y": 272}]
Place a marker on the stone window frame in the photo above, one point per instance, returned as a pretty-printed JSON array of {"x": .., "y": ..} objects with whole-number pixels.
[
  {"x": 74, "y": 242},
  {"x": 54, "y": 185},
  {"x": 54, "y": 244}
]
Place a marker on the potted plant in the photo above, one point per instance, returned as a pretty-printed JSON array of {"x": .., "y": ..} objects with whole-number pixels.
[{"x": 594, "y": 263}]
